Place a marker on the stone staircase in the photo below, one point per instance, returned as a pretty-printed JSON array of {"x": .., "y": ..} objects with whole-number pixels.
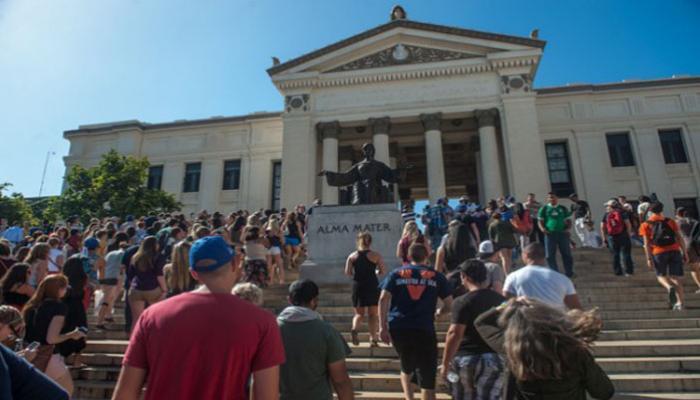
[{"x": 648, "y": 351}]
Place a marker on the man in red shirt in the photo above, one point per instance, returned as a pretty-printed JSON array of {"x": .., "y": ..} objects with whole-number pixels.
[
  {"x": 665, "y": 251},
  {"x": 204, "y": 344}
]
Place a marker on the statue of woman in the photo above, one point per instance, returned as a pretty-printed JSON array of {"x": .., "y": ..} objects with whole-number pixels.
[{"x": 366, "y": 178}]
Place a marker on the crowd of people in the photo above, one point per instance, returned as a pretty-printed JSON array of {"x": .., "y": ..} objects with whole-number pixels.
[{"x": 516, "y": 326}]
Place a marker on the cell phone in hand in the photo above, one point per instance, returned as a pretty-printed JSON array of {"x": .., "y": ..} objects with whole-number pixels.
[
  {"x": 33, "y": 346},
  {"x": 83, "y": 329}
]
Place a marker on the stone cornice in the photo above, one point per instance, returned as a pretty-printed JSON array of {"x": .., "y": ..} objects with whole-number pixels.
[{"x": 400, "y": 73}]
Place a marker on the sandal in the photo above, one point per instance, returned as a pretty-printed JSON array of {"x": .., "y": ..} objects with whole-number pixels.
[
  {"x": 355, "y": 338},
  {"x": 374, "y": 343}
]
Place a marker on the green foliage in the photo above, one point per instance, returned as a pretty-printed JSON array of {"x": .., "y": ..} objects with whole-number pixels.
[
  {"x": 14, "y": 207},
  {"x": 115, "y": 187}
]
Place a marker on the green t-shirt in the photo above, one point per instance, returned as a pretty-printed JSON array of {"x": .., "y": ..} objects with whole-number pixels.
[
  {"x": 309, "y": 346},
  {"x": 554, "y": 217}
]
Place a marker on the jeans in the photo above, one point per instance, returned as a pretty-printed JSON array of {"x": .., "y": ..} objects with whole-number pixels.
[
  {"x": 536, "y": 235},
  {"x": 621, "y": 247},
  {"x": 554, "y": 240}
]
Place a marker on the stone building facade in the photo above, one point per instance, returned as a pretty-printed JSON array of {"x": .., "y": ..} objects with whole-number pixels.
[{"x": 456, "y": 104}]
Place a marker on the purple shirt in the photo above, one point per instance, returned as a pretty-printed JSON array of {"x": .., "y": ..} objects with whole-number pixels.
[{"x": 146, "y": 280}]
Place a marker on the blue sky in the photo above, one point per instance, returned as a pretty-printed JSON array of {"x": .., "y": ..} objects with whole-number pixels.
[{"x": 69, "y": 62}]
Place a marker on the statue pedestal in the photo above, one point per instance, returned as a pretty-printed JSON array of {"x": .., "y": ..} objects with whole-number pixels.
[{"x": 332, "y": 233}]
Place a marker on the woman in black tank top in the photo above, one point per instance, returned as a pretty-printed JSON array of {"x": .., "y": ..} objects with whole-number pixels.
[{"x": 363, "y": 266}]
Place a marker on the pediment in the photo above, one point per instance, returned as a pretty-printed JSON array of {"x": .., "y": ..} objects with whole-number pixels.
[
  {"x": 401, "y": 54},
  {"x": 403, "y": 42}
]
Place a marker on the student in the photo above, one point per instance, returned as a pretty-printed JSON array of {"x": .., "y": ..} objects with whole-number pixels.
[
  {"x": 538, "y": 282},
  {"x": 363, "y": 266},
  {"x": 177, "y": 273},
  {"x": 690, "y": 230},
  {"x": 238, "y": 338},
  {"x": 547, "y": 351},
  {"x": 495, "y": 277},
  {"x": 148, "y": 284},
  {"x": 14, "y": 286},
  {"x": 478, "y": 369},
  {"x": 315, "y": 350},
  {"x": 45, "y": 316},
  {"x": 554, "y": 222},
  {"x": 615, "y": 229},
  {"x": 406, "y": 319},
  {"x": 20, "y": 381},
  {"x": 665, "y": 251},
  {"x": 38, "y": 260}
]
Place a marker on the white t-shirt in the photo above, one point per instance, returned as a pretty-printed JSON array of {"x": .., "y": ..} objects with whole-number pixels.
[
  {"x": 53, "y": 257},
  {"x": 540, "y": 283}
]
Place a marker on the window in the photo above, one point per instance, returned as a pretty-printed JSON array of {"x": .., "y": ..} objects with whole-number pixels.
[
  {"x": 232, "y": 175},
  {"x": 672, "y": 146},
  {"x": 690, "y": 204},
  {"x": 155, "y": 177},
  {"x": 192, "y": 174},
  {"x": 276, "y": 184},
  {"x": 620, "y": 149},
  {"x": 559, "y": 170}
]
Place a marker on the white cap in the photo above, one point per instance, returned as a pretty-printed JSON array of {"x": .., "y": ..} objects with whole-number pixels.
[{"x": 486, "y": 247}]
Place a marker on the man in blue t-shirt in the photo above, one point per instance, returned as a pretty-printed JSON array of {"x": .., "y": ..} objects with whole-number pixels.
[{"x": 407, "y": 309}]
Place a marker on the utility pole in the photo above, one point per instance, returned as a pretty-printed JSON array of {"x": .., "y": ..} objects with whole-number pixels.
[{"x": 43, "y": 175}]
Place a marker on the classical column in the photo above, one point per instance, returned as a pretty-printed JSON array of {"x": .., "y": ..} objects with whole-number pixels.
[
  {"x": 489, "y": 156},
  {"x": 380, "y": 137},
  {"x": 328, "y": 131},
  {"x": 433, "y": 154}
]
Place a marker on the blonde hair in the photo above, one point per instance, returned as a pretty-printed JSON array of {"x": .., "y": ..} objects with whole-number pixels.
[
  {"x": 40, "y": 251},
  {"x": 364, "y": 241},
  {"x": 179, "y": 277},
  {"x": 541, "y": 341},
  {"x": 411, "y": 230},
  {"x": 273, "y": 224},
  {"x": 249, "y": 292}
]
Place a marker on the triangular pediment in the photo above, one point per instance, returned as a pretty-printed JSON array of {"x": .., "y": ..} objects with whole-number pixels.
[
  {"x": 401, "y": 54},
  {"x": 403, "y": 42}
]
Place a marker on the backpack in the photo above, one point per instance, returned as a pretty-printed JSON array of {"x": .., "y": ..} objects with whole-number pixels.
[
  {"x": 437, "y": 224},
  {"x": 662, "y": 234},
  {"x": 614, "y": 224}
]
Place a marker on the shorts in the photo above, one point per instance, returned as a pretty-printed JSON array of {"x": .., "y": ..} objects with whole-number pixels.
[
  {"x": 108, "y": 281},
  {"x": 364, "y": 295},
  {"x": 149, "y": 296},
  {"x": 669, "y": 263},
  {"x": 292, "y": 241},
  {"x": 274, "y": 251},
  {"x": 481, "y": 376},
  {"x": 417, "y": 351}
]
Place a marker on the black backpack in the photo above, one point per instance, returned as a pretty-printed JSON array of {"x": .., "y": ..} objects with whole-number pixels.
[{"x": 662, "y": 234}]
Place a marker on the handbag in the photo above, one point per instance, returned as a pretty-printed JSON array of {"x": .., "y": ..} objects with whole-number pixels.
[{"x": 43, "y": 356}]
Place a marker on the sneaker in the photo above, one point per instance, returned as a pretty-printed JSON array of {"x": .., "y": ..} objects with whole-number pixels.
[
  {"x": 672, "y": 299},
  {"x": 678, "y": 307}
]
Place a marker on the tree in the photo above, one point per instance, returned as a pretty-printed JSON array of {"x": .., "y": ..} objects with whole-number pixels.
[
  {"x": 14, "y": 207},
  {"x": 115, "y": 187}
]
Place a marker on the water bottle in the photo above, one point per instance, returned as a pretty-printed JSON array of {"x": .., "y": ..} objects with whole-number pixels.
[{"x": 452, "y": 377}]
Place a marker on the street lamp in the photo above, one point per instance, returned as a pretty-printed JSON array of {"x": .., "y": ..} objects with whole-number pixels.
[{"x": 43, "y": 175}]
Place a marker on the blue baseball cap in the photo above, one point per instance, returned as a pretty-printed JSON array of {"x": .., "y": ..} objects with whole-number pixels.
[
  {"x": 91, "y": 243},
  {"x": 209, "y": 254}
]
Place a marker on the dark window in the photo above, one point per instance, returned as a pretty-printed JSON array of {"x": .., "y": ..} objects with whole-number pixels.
[
  {"x": 192, "y": 174},
  {"x": 276, "y": 184},
  {"x": 672, "y": 146},
  {"x": 690, "y": 204},
  {"x": 620, "y": 149},
  {"x": 232, "y": 175},
  {"x": 559, "y": 169},
  {"x": 155, "y": 177}
]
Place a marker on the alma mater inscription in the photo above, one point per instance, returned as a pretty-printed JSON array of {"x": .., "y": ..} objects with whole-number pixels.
[{"x": 345, "y": 228}]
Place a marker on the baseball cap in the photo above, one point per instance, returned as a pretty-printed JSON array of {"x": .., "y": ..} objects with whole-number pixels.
[
  {"x": 91, "y": 243},
  {"x": 612, "y": 203},
  {"x": 302, "y": 291},
  {"x": 486, "y": 249},
  {"x": 209, "y": 254}
]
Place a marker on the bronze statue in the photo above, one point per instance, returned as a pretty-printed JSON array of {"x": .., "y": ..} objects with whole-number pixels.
[{"x": 366, "y": 178}]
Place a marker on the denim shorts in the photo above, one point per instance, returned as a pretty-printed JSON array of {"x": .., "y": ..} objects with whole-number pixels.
[
  {"x": 291, "y": 241},
  {"x": 669, "y": 263}
]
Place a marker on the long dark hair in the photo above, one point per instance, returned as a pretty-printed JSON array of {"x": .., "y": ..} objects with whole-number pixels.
[
  {"x": 459, "y": 246},
  {"x": 146, "y": 254},
  {"x": 16, "y": 274},
  {"x": 74, "y": 271},
  {"x": 119, "y": 237}
]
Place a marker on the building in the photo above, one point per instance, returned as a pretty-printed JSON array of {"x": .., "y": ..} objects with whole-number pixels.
[{"x": 456, "y": 104}]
